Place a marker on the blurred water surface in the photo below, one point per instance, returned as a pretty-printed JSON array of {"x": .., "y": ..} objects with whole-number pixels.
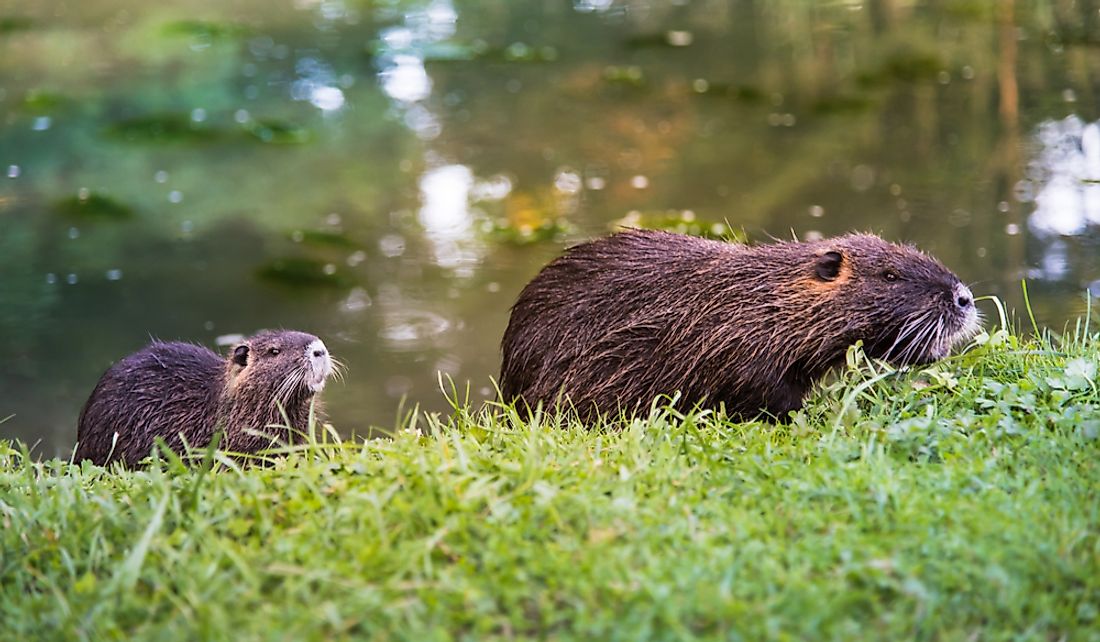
[{"x": 388, "y": 173}]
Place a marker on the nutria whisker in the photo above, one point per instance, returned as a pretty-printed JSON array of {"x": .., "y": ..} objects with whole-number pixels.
[
  {"x": 932, "y": 340},
  {"x": 278, "y": 397},
  {"x": 289, "y": 387},
  {"x": 938, "y": 344},
  {"x": 922, "y": 329},
  {"x": 339, "y": 369},
  {"x": 943, "y": 345},
  {"x": 917, "y": 346},
  {"x": 912, "y": 325}
]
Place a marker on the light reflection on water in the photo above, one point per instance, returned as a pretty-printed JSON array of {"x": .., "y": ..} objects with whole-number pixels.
[
  {"x": 405, "y": 79},
  {"x": 1063, "y": 180},
  {"x": 403, "y": 75},
  {"x": 1068, "y": 170},
  {"x": 389, "y": 175},
  {"x": 412, "y": 329},
  {"x": 445, "y": 215}
]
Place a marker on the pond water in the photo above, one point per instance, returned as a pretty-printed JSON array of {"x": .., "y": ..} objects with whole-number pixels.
[{"x": 387, "y": 174}]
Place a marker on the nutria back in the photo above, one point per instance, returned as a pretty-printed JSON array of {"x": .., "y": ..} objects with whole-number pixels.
[
  {"x": 615, "y": 323},
  {"x": 184, "y": 392}
]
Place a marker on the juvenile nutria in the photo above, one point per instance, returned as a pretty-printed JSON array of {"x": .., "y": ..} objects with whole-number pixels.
[
  {"x": 181, "y": 389},
  {"x": 614, "y": 323}
]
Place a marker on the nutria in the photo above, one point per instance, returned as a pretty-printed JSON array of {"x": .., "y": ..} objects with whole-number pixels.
[
  {"x": 182, "y": 391},
  {"x": 617, "y": 322}
]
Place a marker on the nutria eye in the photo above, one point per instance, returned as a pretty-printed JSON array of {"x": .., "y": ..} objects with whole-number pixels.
[
  {"x": 273, "y": 351},
  {"x": 828, "y": 265},
  {"x": 240, "y": 355},
  {"x": 890, "y": 275}
]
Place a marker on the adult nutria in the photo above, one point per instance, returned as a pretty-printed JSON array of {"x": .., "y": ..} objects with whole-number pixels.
[
  {"x": 181, "y": 391},
  {"x": 616, "y": 322}
]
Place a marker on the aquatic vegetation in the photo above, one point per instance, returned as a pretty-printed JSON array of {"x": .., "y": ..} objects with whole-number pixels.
[
  {"x": 93, "y": 205},
  {"x": 745, "y": 93},
  {"x": 324, "y": 238},
  {"x": 304, "y": 272},
  {"x": 970, "y": 9},
  {"x": 458, "y": 51},
  {"x": 206, "y": 30},
  {"x": 841, "y": 104},
  {"x": 167, "y": 127},
  {"x": 522, "y": 52},
  {"x": 504, "y": 230},
  {"x": 524, "y": 217},
  {"x": 630, "y": 75},
  {"x": 680, "y": 221},
  {"x": 13, "y": 24},
  {"x": 277, "y": 132},
  {"x": 903, "y": 65},
  {"x": 180, "y": 127},
  {"x": 44, "y": 100}
]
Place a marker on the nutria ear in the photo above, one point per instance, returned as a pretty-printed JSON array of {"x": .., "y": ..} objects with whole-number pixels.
[
  {"x": 240, "y": 355},
  {"x": 828, "y": 265}
]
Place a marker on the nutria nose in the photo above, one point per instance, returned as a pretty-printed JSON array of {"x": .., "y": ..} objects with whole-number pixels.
[
  {"x": 964, "y": 298},
  {"x": 317, "y": 353}
]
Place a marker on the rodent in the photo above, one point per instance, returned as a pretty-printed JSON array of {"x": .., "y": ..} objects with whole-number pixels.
[
  {"x": 616, "y": 322},
  {"x": 182, "y": 391}
]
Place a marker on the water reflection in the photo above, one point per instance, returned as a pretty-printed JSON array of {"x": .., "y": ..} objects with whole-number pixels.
[
  {"x": 588, "y": 6},
  {"x": 404, "y": 77},
  {"x": 445, "y": 215},
  {"x": 1063, "y": 180},
  {"x": 401, "y": 59},
  {"x": 413, "y": 329},
  {"x": 1067, "y": 173},
  {"x": 316, "y": 83},
  {"x": 1052, "y": 263},
  {"x": 433, "y": 23},
  {"x": 357, "y": 301}
]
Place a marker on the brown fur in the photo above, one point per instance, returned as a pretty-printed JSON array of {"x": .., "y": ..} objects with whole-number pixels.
[
  {"x": 181, "y": 391},
  {"x": 615, "y": 323}
]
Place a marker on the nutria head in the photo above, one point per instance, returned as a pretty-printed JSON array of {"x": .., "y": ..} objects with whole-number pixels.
[
  {"x": 271, "y": 380},
  {"x": 282, "y": 366},
  {"x": 905, "y": 306}
]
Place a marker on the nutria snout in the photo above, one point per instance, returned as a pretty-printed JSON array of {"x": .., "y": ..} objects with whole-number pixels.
[
  {"x": 616, "y": 322},
  {"x": 185, "y": 392}
]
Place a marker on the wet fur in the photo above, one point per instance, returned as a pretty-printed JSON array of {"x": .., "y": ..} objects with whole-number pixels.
[
  {"x": 614, "y": 323},
  {"x": 183, "y": 391}
]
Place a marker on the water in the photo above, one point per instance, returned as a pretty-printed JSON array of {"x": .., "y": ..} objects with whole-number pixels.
[{"x": 389, "y": 174}]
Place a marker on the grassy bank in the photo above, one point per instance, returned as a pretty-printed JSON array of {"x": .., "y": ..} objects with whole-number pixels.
[{"x": 960, "y": 502}]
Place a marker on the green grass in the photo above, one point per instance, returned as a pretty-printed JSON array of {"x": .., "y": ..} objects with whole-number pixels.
[{"x": 961, "y": 502}]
